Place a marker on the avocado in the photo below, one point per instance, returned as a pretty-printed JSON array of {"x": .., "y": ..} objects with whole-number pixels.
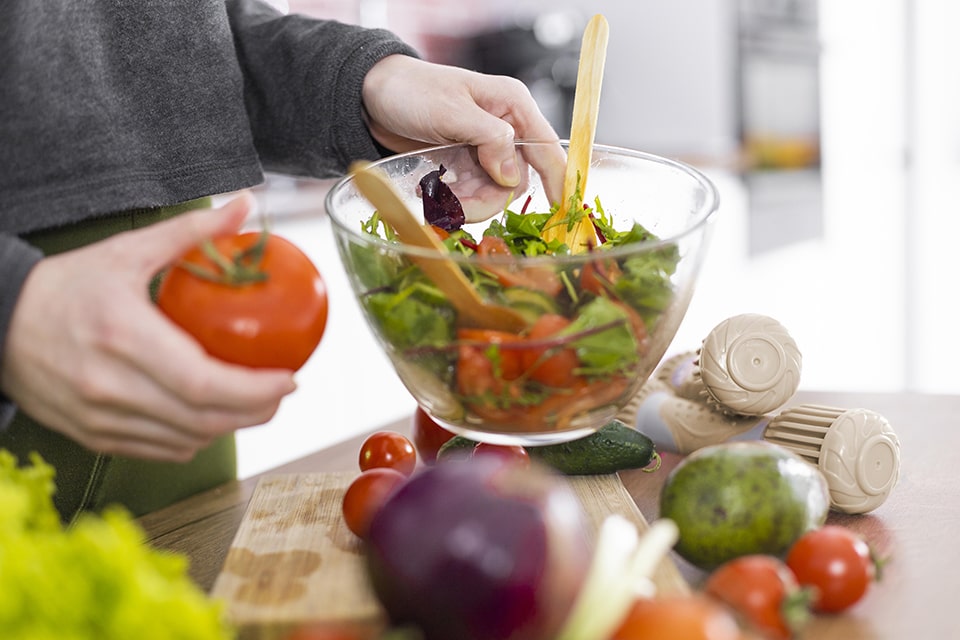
[{"x": 741, "y": 498}]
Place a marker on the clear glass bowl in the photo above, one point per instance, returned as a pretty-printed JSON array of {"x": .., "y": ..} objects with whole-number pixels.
[{"x": 610, "y": 312}]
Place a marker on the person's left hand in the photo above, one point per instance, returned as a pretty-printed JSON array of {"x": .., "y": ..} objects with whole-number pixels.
[{"x": 410, "y": 102}]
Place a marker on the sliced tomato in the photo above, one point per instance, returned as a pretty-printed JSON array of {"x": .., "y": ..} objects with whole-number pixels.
[
  {"x": 553, "y": 365},
  {"x": 599, "y": 275},
  {"x": 538, "y": 278}
]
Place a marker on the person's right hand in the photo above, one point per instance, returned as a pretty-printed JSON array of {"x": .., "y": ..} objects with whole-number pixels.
[{"x": 89, "y": 355}]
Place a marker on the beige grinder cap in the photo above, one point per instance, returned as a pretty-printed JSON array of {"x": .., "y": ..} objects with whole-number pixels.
[
  {"x": 749, "y": 365},
  {"x": 857, "y": 451}
]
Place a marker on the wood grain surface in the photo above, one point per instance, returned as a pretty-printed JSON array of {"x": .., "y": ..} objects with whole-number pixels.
[{"x": 294, "y": 562}]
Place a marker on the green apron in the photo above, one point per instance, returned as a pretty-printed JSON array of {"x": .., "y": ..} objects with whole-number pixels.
[{"x": 89, "y": 481}]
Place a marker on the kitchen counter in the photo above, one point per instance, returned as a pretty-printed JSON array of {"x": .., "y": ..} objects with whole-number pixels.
[{"x": 916, "y": 528}]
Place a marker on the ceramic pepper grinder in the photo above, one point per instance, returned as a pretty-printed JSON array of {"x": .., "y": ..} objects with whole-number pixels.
[
  {"x": 857, "y": 451},
  {"x": 746, "y": 367}
]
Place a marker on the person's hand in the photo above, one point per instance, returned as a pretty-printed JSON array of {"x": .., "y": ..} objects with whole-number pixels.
[
  {"x": 410, "y": 102},
  {"x": 89, "y": 355}
]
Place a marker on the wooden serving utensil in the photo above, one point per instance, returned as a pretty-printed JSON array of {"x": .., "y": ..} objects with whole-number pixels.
[
  {"x": 586, "y": 106},
  {"x": 472, "y": 310}
]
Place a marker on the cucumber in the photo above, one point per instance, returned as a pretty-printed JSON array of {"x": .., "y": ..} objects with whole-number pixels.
[
  {"x": 529, "y": 303},
  {"x": 613, "y": 447}
]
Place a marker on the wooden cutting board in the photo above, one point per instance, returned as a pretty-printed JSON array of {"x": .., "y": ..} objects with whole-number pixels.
[{"x": 293, "y": 560}]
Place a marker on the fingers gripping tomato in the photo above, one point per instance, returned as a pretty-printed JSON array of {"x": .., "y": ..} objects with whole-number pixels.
[{"x": 253, "y": 299}]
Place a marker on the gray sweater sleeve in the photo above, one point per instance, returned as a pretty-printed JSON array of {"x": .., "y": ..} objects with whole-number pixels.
[
  {"x": 302, "y": 87},
  {"x": 17, "y": 258}
]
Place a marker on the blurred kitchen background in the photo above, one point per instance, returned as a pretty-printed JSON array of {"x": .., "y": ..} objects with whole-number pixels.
[{"x": 831, "y": 129}]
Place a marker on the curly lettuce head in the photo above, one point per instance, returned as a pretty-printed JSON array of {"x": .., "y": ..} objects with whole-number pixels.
[{"x": 98, "y": 579}]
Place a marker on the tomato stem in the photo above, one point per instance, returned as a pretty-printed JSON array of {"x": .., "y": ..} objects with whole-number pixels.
[{"x": 240, "y": 269}]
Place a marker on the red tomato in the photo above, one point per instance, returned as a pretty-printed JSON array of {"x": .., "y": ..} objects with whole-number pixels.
[
  {"x": 512, "y": 454},
  {"x": 693, "y": 617},
  {"x": 598, "y": 276},
  {"x": 837, "y": 563},
  {"x": 274, "y": 322},
  {"x": 428, "y": 436},
  {"x": 388, "y": 449},
  {"x": 366, "y": 494},
  {"x": 552, "y": 365},
  {"x": 764, "y": 592},
  {"x": 538, "y": 278}
]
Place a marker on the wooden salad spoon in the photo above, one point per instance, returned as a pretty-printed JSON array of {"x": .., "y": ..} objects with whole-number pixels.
[
  {"x": 586, "y": 106},
  {"x": 472, "y": 310}
]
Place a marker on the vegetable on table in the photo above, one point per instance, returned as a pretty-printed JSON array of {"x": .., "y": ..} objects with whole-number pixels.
[
  {"x": 479, "y": 550},
  {"x": 366, "y": 494},
  {"x": 613, "y": 447},
  {"x": 388, "y": 449},
  {"x": 837, "y": 563},
  {"x": 97, "y": 579},
  {"x": 764, "y": 592}
]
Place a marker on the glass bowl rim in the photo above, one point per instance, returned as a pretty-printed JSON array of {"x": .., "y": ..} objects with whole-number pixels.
[{"x": 706, "y": 211}]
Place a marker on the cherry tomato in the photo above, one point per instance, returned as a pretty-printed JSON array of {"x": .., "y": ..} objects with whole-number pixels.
[
  {"x": 428, "y": 436},
  {"x": 693, "y": 617},
  {"x": 366, "y": 494},
  {"x": 388, "y": 449},
  {"x": 764, "y": 592},
  {"x": 512, "y": 454},
  {"x": 553, "y": 365},
  {"x": 267, "y": 310},
  {"x": 837, "y": 563}
]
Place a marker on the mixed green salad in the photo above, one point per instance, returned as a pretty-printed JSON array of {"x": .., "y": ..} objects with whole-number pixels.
[{"x": 589, "y": 319}]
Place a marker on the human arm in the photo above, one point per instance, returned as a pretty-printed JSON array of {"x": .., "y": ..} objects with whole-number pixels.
[
  {"x": 88, "y": 354},
  {"x": 303, "y": 80}
]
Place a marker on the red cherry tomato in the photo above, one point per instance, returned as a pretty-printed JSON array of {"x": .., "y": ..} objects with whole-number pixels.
[
  {"x": 388, "y": 449},
  {"x": 764, "y": 592},
  {"x": 428, "y": 436},
  {"x": 366, "y": 494},
  {"x": 269, "y": 312},
  {"x": 512, "y": 454},
  {"x": 837, "y": 563},
  {"x": 694, "y": 617}
]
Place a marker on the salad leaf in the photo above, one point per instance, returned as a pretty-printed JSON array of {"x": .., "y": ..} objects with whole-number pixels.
[
  {"x": 612, "y": 350},
  {"x": 407, "y": 320},
  {"x": 441, "y": 207},
  {"x": 97, "y": 580},
  {"x": 645, "y": 284}
]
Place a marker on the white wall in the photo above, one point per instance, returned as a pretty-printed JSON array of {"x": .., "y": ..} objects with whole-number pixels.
[{"x": 871, "y": 304}]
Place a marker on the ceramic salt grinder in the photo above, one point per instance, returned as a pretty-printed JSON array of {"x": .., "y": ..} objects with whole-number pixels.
[
  {"x": 857, "y": 451},
  {"x": 746, "y": 367}
]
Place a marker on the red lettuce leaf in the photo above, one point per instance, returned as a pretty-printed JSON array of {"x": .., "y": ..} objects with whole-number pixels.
[{"x": 441, "y": 208}]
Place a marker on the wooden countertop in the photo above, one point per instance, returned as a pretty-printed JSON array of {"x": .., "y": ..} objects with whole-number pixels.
[{"x": 916, "y": 527}]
